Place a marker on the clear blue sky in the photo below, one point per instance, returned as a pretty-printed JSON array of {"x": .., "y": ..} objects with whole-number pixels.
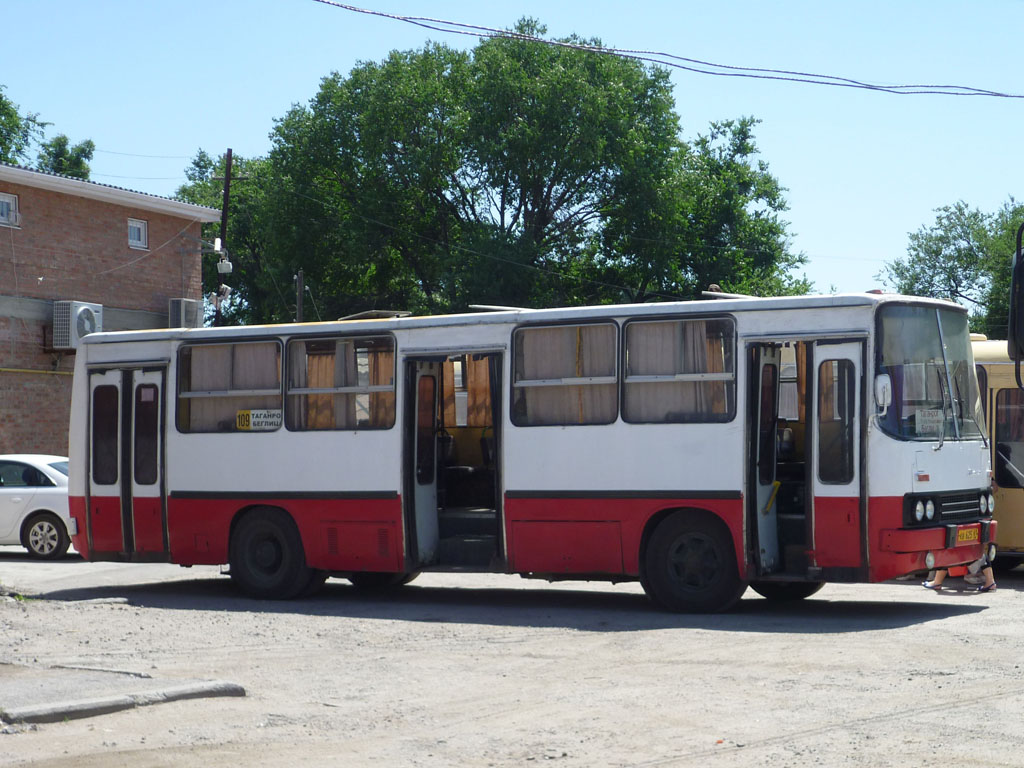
[{"x": 862, "y": 169}]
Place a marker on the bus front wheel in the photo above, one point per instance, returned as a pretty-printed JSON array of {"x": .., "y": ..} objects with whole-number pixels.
[
  {"x": 786, "y": 591},
  {"x": 690, "y": 565},
  {"x": 266, "y": 556}
]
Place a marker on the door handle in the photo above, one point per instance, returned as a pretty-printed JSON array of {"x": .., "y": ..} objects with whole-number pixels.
[{"x": 16, "y": 499}]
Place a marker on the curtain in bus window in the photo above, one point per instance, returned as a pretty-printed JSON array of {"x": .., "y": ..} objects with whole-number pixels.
[
  {"x": 665, "y": 350},
  {"x": 343, "y": 372},
  {"x": 1009, "y": 438},
  {"x": 211, "y": 372},
  {"x": 295, "y": 405},
  {"x": 382, "y": 368},
  {"x": 556, "y": 356}
]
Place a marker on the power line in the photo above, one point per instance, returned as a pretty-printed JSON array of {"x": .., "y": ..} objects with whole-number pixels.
[
  {"x": 132, "y": 154},
  {"x": 682, "y": 62}
]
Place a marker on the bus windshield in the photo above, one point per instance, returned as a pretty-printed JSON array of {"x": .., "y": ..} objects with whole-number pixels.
[{"x": 926, "y": 352}]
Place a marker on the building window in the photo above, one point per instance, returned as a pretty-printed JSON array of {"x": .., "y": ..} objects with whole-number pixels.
[
  {"x": 138, "y": 233},
  {"x": 9, "y": 216},
  {"x": 679, "y": 371},
  {"x": 565, "y": 374},
  {"x": 230, "y": 387},
  {"x": 341, "y": 383}
]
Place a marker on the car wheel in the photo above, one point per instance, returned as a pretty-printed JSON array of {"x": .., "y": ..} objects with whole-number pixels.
[
  {"x": 45, "y": 537},
  {"x": 266, "y": 556}
]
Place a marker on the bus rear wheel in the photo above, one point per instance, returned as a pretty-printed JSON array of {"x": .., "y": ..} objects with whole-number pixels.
[
  {"x": 786, "y": 591},
  {"x": 690, "y": 565},
  {"x": 266, "y": 556}
]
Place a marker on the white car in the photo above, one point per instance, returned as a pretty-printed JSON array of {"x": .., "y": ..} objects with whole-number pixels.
[{"x": 34, "y": 504}]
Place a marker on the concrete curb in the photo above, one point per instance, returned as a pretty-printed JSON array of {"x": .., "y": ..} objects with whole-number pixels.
[{"x": 71, "y": 710}]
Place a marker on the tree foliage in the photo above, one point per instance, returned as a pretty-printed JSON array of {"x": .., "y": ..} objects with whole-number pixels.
[
  {"x": 58, "y": 156},
  {"x": 17, "y": 131},
  {"x": 965, "y": 256},
  {"x": 20, "y": 132},
  {"x": 517, "y": 173}
]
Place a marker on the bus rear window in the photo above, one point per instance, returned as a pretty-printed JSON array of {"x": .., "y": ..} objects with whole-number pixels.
[{"x": 229, "y": 387}]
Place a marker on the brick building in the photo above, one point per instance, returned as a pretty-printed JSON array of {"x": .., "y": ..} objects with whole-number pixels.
[{"x": 122, "y": 256}]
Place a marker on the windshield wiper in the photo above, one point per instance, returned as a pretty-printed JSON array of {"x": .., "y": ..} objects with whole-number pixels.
[{"x": 942, "y": 421}]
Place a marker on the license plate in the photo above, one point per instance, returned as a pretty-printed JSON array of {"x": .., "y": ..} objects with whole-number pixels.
[{"x": 965, "y": 535}]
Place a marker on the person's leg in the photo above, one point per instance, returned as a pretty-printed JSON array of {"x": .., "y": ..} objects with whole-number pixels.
[{"x": 990, "y": 579}]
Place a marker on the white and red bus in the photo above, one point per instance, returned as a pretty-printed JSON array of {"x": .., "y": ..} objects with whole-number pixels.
[{"x": 697, "y": 447}]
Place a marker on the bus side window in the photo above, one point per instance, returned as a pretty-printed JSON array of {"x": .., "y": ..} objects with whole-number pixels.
[
  {"x": 1009, "y": 438},
  {"x": 836, "y": 426}
]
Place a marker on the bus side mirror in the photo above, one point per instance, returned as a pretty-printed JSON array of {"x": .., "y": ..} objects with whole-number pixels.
[{"x": 883, "y": 393}]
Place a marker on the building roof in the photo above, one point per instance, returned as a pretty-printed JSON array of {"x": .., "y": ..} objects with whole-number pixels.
[{"x": 106, "y": 193}]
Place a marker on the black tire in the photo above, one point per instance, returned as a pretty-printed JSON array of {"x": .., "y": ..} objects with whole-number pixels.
[
  {"x": 690, "y": 565},
  {"x": 266, "y": 556},
  {"x": 45, "y": 537},
  {"x": 786, "y": 591},
  {"x": 375, "y": 581}
]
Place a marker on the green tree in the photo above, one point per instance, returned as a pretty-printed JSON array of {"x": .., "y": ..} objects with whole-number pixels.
[
  {"x": 17, "y": 131},
  {"x": 964, "y": 256},
  {"x": 58, "y": 156},
  {"x": 518, "y": 173}
]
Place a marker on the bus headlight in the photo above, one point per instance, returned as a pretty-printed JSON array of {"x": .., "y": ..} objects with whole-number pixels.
[
  {"x": 983, "y": 504},
  {"x": 991, "y": 551},
  {"x": 991, "y": 504},
  {"x": 919, "y": 511},
  {"x": 929, "y": 561},
  {"x": 929, "y": 509}
]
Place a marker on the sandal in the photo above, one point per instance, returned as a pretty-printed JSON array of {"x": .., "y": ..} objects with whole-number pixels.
[
  {"x": 932, "y": 586},
  {"x": 990, "y": 588}
]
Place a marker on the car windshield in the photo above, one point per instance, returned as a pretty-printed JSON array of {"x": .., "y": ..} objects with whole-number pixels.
[
  {"x": 926, "y": 352},
  {"x": 60, "y": 466}
]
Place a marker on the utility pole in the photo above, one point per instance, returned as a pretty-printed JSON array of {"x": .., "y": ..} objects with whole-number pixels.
[
  {"x": 223, "y": 228},
  {"x": 224, "y": 205},
  {"x": 299, "y": 290}
]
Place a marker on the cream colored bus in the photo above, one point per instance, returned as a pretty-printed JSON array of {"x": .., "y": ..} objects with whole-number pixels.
[{"x": 1003, "y": 401}]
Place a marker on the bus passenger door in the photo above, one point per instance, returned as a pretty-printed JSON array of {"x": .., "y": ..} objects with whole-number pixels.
[
  {"x": 764, "y": 418},
  {"x": 421, "y": 471},
  {"x": 127, "y": 509},
  {"x": 836, "y": 460}
]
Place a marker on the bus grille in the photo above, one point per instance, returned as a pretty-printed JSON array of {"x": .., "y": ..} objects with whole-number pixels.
[{"x": 959, "y": 506}]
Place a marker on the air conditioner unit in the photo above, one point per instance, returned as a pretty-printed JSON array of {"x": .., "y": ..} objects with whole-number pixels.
[
  {"x": 13, "y": 219},
  {"x": 74, "y": 319},
  {"x": 184, "y": 313}
]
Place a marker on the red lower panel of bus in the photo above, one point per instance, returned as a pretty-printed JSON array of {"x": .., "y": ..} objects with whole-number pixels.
[
  {"x": 148, "y": 524},
  {"x": 595, "y": 534},
  {"x": 337, "y": 534},
  {"x": 105, "y": 527},
  {"x": 837, "y": 541}
]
